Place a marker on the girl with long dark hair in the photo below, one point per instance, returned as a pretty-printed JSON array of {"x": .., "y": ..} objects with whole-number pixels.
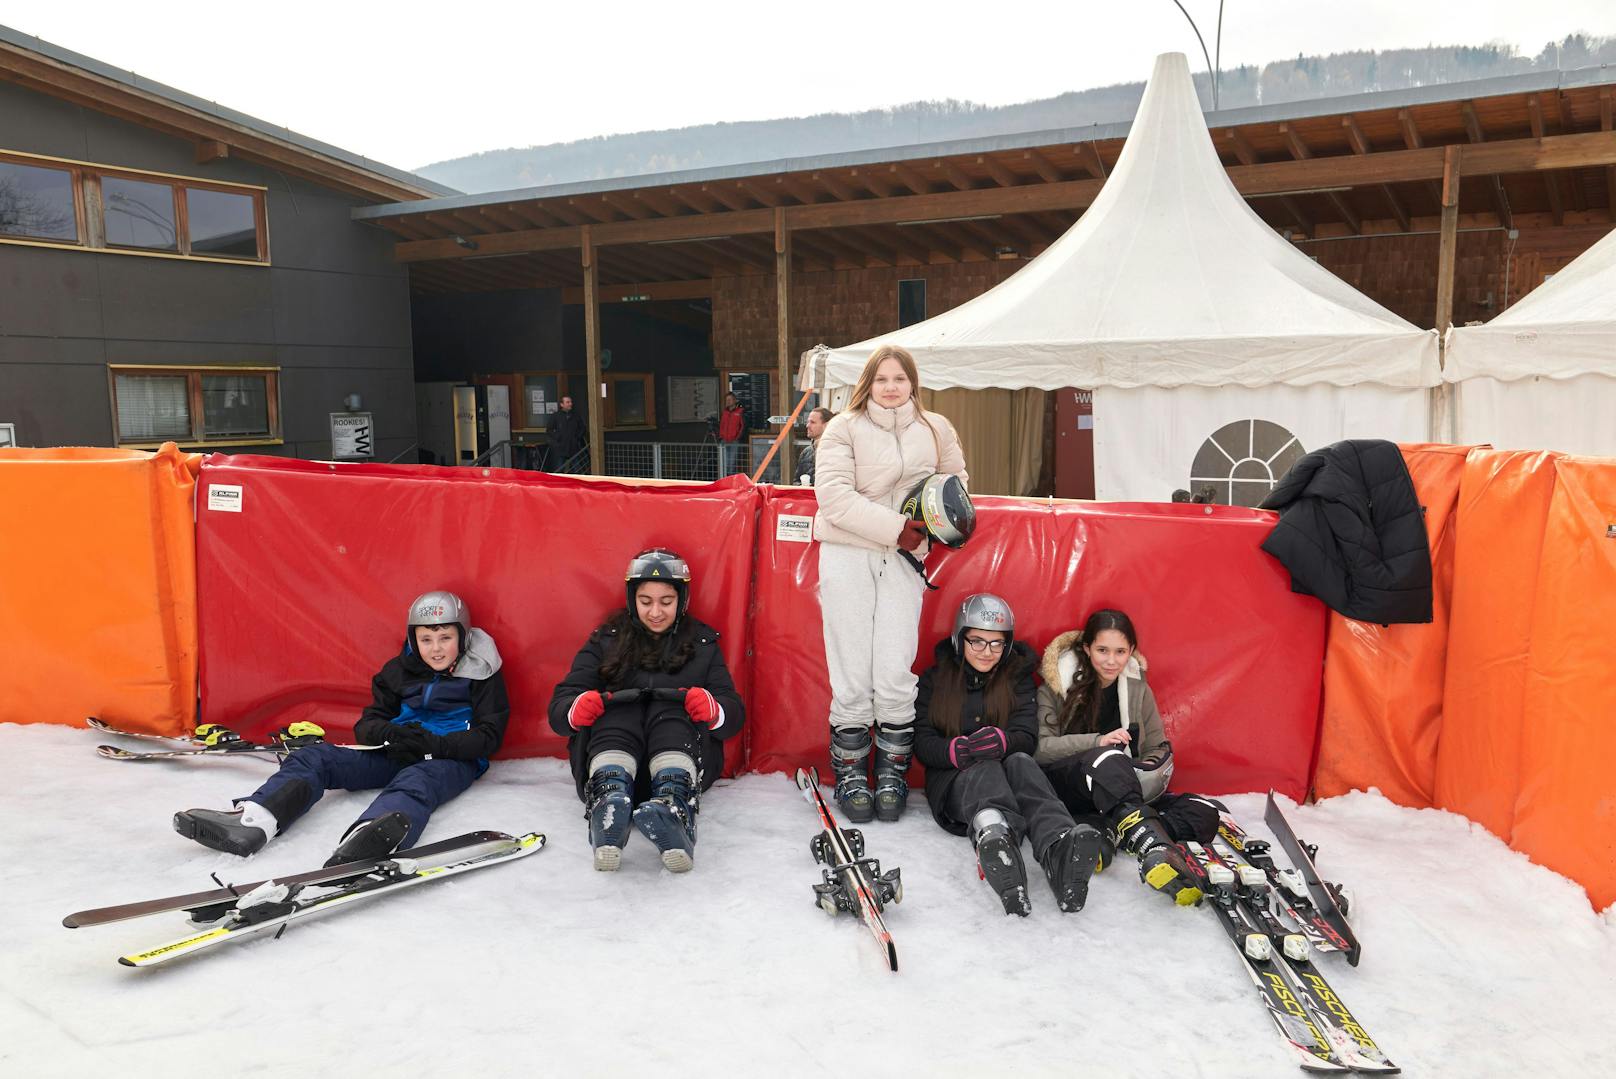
[
  {"x": 976, "y": 726},
  {"x": 1103, "y": 746},
  {"x": 645, "y": 710},
  {"x": 881, "y": 447}
]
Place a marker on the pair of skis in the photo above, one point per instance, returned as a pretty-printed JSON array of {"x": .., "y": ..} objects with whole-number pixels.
[
  {"x": 852, "y": 882},
  {"x": 232, "y": 913},
  {"x": 210, "y": 740},
  {"x": 1245, "y": 887}
]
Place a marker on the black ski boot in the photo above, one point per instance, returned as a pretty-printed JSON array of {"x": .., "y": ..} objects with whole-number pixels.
[
  {"x": 221, "y": 830},
  {"x": 371, "y": 840},
  {"x": 1070, "y": 861},
  {"x": 668, "y": 818},
  {"x": 611, "y": 801},
  {"x": 893, "y": 746},
  {"x": 998, "y": 861},
  {"x": 849, "y": 759},
  {"x": 1139, "y": 830}
]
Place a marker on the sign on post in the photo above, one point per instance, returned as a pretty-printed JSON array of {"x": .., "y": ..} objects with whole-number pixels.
[
  {"x": 351, "y": 436},
  {"x": 8, "y": 435}
]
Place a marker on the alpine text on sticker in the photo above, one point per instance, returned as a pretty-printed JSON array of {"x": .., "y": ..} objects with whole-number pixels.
[
  {"x": 794, "y": 529},
  {"x": 224, "y": 496}
]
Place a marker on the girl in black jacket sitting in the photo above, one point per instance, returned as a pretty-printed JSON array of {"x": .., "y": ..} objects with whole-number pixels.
[
  {"x": 646, "y": 708},
  {"x": 976, "y": 727}
]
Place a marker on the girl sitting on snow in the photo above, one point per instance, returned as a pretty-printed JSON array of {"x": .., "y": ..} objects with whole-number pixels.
[
  {"x": 438, "y": 711},
  {"x": 1102, "y": 744},
  {"x": 645, "y": 710},
  {"x": 975, "y": 728}
]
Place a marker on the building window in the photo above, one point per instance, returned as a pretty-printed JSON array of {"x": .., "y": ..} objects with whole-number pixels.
[
  {"x": 37, "y": 203},
  {"x": 195, "y": 406},
  {"x": 911, "y": 301},
  {"x": 630, "y": 401},
  {"x": 44, "y": 200}
]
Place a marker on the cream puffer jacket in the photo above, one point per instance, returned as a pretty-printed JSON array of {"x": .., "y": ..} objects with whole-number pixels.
[{"x": 867, "y": 463}]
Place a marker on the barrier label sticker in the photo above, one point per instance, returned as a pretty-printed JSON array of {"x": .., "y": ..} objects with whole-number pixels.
[
  {"x": 794, "y": 529},
  {"x": 224, "y": 496}
]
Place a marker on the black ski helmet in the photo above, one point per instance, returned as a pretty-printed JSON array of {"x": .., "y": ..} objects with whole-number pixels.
[
  {"x": 983, "y": 611},
  {"x": 943, "y": 505},
  {"x": 658, "y": 564},
  {"x": 439, "y": 608}
]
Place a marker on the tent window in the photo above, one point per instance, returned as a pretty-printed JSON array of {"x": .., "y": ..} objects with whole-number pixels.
[{"x": 911, "y": 301}]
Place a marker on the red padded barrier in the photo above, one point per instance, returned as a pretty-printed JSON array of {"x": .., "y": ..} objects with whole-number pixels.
[
  {"x": 1234, "y": 655},
  {"x": 304, "y": 585}
]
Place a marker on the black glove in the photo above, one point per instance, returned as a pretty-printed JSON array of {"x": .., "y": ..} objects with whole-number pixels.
[{"x": 407, "y": 744}]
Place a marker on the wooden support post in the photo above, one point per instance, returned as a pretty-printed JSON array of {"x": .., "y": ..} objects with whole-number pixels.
[
  {"x": 597, "y": 413},
  {"x": 782, "y": 321},
  {"x": 1448, "y": 247}
]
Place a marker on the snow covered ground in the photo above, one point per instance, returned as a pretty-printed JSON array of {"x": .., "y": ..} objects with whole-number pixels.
[{"x": 1476, "y": 962}]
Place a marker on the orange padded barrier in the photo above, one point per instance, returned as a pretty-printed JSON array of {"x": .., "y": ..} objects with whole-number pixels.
[
  {"x": 307, "y": 570},
  {"x": 1565, "y": 811},
  {"x": 97, "y": 559},
  {"x": 1503, "y": 507},
  {"x": 1383, "y": 684}
]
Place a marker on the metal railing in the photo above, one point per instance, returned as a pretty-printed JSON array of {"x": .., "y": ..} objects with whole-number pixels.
[{"x": 700, "y": 461}]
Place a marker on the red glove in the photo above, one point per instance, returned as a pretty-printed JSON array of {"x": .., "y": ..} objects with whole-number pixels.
[
  {"x": 703, "y": 708},
  {"x": 586, "y": 708},
  {"x": 913, "y": 534}
]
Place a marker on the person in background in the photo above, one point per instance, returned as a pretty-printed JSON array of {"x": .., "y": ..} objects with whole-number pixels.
[
  {"x": 731, "y": 430},
  {"x": 817, "y": 419},
  {"x": 976, "y": 727},
  {"x": 569, "y": 433},
  {"x": 868, "y": 460}
]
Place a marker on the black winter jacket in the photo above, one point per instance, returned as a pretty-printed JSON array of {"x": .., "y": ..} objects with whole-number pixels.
[
  {"x": 705, "y": 668},
  {"x": 408, "y": 692},
  {"x": 931, "y": 746},
  {"x": 1351, "y": 532}
]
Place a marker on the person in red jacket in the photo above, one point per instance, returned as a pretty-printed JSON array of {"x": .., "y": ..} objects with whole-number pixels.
[{"x": 731, "y": 430}]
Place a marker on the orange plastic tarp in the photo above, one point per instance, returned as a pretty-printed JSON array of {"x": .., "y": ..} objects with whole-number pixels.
[
  {"x": 97, "y": 560},
  {"x": 1565, "y": 811},
  {"x": 1383, "y": 684},
  {"x": 1503, "y": 509}
]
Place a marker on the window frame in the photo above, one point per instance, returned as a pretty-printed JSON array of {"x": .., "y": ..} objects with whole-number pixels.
[
  {"x": 90, "y": 210},
  {"x": 609, "y": 403},
  {"x": 520, "y": 392},
  {"x": 194, "y": 402}
]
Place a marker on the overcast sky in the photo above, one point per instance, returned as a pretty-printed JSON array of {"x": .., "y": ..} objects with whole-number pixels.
[{"x": 410, "y": 84}]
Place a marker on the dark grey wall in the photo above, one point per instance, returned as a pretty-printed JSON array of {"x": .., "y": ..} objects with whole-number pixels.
[
  {"x": 642, "y": 338},
  {"x": 483, "y": 333},
  {"x": 332, "y": 310}
]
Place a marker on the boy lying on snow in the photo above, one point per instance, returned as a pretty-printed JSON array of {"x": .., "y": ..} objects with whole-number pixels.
[{"x": 437, "y": 713}]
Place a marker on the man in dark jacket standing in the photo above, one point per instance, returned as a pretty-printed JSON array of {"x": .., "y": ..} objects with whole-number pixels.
[
  {"x": 569, "y": 433},
  {"x": 817, "y": 419}
]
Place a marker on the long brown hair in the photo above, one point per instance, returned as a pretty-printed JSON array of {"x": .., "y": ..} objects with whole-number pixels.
[
  {"x": 866, "y": 382},
  {"x": 1080, "y": 712},
  {"x": 635, "y": 648},
  {"x": 998, "y": 695}
]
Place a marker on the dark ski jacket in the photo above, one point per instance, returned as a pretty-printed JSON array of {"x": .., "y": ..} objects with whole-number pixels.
[
  {"x": 465, "y": 708},
  {"x": 569, "y": 431},
  {"x": 705, "y": 669},
  {"x": 1351, "y": 532},
  {"x": 931, "y": 747}
]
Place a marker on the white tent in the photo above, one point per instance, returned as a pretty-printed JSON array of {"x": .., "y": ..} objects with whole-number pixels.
[
  {"x": 1217, "y": 351},
  {"x": 1542, "y": 375}
]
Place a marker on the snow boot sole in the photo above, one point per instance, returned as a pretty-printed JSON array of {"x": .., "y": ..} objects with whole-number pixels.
[
  {"x": 220, "y": 830},
  {"x": 372, "y": 840},
  {"x": 608, "y": 858},
  {"x": 1075, "y": 858},
  {"x": 998, "y": 861},
  {"x": 660, "y": 823}
]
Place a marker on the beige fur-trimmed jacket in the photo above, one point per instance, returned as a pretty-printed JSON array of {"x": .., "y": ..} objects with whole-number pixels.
[
  {"x": 1137, "y": 705},
  {"x": 866, "y": 464}
]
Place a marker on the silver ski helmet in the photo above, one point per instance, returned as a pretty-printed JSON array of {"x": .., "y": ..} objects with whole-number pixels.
[
  {"x": 658, "y": 564},
  {"x": 439, "y": 608},
  {"x": 983, "y": 611},
  {"x": 942, "y": 504}
]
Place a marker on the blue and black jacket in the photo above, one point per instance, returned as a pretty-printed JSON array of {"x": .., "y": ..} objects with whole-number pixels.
[{"x": 464, "y": 709}]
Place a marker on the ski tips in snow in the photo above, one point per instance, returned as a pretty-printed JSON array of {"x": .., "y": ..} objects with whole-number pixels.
[
  {"x": 1325, "y": 896},
  {"x": 852, "y": 882}
]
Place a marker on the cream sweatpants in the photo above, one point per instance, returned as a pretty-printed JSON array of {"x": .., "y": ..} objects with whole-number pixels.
[{"x": 870, "y": 602}]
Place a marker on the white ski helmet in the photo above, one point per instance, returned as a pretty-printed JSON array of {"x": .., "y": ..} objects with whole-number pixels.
[{"x": 440, "y": 608}]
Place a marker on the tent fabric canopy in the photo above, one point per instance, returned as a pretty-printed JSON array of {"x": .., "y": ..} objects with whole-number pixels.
[
  {"x": 1563, "y": 329},
  {"x": 1168, "y": 279}
]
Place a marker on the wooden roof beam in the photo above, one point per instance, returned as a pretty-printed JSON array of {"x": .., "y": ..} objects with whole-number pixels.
[
  {"x": 878, "y": 185},
  {"x": 989, "y": 240},
  {"x": 909, "y": 178},
  {"x": 996, "y": 171},
  {"x": 952, "y": 173},
  {"x": 1045, "y": 168},
  {"x": 1551, "y": 180},
  {"x": 624, "y": 203},
  {"x": 801, "y": 189},
  {"x": 496, "y": 219},
  {"x": 1412, "y": 141},
  {"x": 928, "y": 241},
  {"x": 1089, "y": 154},
  {"x": 1248, "y": 157},
  {"x": 838, "y": 190},
  {"x": 1472, "y": 124},
  {"x": 592, "y": 212},
  {"x": 1301, "y": 151},
  {"x": 659, "y": 203},
  {"x": 1607, "y": 105},
  {"x": 1360, "y": 145},
  {"x": 760, "y": 195},
  {"x": 833, "y": 245},
  {"x": 810, "y": 248},
  {"x": 1026, "y": 230},
  {"x": 728, "y": 199}
]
